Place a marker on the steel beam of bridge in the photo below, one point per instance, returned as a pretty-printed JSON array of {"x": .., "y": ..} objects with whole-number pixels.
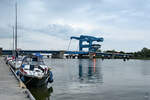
[{"x": 9, "y": 52}]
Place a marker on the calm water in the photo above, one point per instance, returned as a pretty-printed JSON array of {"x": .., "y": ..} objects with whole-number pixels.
[{"x": 84, "y": 79}]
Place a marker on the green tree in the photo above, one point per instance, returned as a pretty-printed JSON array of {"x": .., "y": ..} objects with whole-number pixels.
[{"x": 145, "y": 52}]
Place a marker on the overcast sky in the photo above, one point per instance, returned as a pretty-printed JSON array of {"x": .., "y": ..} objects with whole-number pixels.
[{"x": 48, "y": 24}]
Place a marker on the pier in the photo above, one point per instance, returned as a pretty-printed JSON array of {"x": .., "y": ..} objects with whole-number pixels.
[{"x": 9, "y": 85}]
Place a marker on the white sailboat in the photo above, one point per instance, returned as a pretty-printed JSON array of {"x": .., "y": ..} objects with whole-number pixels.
[
  {"x": 31, "y": 69},
  {"x": 16, "y": 62}
]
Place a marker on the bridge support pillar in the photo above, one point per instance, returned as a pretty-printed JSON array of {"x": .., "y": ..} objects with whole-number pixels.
[
  {"x": 58, "y": 55},
  {"x": 80, "y": 56},
  {"x": 1, "y": 51},
  {"x": 91, "y": 55},
  {"x": 113, "y": 56}
]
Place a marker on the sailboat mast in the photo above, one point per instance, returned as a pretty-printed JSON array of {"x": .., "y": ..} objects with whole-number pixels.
[
  {"x": 16, "y": 29},
  {"x": 16, "y": 53},
  {"x": 13, "y": 40}
]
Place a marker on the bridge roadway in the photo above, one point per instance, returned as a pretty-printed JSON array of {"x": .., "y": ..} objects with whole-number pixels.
[{"x": 9, "y": 52}]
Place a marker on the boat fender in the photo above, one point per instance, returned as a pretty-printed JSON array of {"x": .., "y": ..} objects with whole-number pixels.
[
  {"x": 23, "y": 65},
  {"x": 22, "y": 79},
  {"x": 51, "y": 77},
  {"x": 18, "y": 73}
]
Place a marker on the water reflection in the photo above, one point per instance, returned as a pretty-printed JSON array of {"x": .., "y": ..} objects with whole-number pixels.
[
  {"x": 146, "y": 97},
  {"x": 89, "y": 71},
  {"x": 82, "y": 79},
  {"x": 145, "y": 69},
  {"x": 42, "y": 93}
]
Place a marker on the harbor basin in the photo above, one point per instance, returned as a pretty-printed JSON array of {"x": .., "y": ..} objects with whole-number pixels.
[{"x": 97, "y": 79}]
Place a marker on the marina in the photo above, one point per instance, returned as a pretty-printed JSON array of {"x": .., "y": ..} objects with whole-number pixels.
[
  {"x": 74, "y": 50},
  {"x": 86, "y": 79}
]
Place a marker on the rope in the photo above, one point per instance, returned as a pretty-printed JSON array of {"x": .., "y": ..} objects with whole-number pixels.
[{"x": 28, "y": 81}]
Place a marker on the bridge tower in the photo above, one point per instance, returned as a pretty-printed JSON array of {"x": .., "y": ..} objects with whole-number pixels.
[{"x": 89, "y": 39}]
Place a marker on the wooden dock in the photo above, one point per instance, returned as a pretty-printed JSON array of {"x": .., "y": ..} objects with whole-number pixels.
[{"x": 9, "y": 86}]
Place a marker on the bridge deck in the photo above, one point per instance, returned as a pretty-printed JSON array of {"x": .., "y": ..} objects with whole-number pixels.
[{"x": 9, "y": 52}]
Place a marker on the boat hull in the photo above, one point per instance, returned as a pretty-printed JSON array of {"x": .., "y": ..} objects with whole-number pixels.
[{"x": 35, "y": 82}]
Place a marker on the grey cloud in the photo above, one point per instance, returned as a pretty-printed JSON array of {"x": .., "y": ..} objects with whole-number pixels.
[
  {"x": 4, "y": 33},
  {"x": 60, "y": 31},
  {"x": 95, "y": 17}
]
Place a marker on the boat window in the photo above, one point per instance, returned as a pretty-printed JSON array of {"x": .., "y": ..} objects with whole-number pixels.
[
  {"x": 26, "y": 61},
  {"x": 34, "y": 59},
  {"x": 37, "y": 63},
  {"x": 41, "y": 63},
  {"x": 32, "y": 67}
]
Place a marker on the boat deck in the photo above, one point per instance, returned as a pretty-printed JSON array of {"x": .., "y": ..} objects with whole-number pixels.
[{"x": 9, "y": 87}]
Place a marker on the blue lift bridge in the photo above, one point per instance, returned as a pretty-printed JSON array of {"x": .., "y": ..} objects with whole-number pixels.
[
  {"x": 92, "y": 44},
  {"x": 89, "y": 39}
]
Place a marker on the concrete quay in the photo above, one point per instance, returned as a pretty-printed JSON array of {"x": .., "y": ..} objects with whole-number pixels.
[{"x": 9, "y": 86}]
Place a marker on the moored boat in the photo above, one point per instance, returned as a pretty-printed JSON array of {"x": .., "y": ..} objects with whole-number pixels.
[
  {"x": 33, "y": 71},
  {"x": 16, "y": 63},
  {"x": 8, "y": 59}
]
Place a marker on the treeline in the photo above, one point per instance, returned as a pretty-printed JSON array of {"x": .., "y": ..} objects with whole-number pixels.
[
  {"x": 112, "y": 51},
  {"x": 142, "y": 54}
]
